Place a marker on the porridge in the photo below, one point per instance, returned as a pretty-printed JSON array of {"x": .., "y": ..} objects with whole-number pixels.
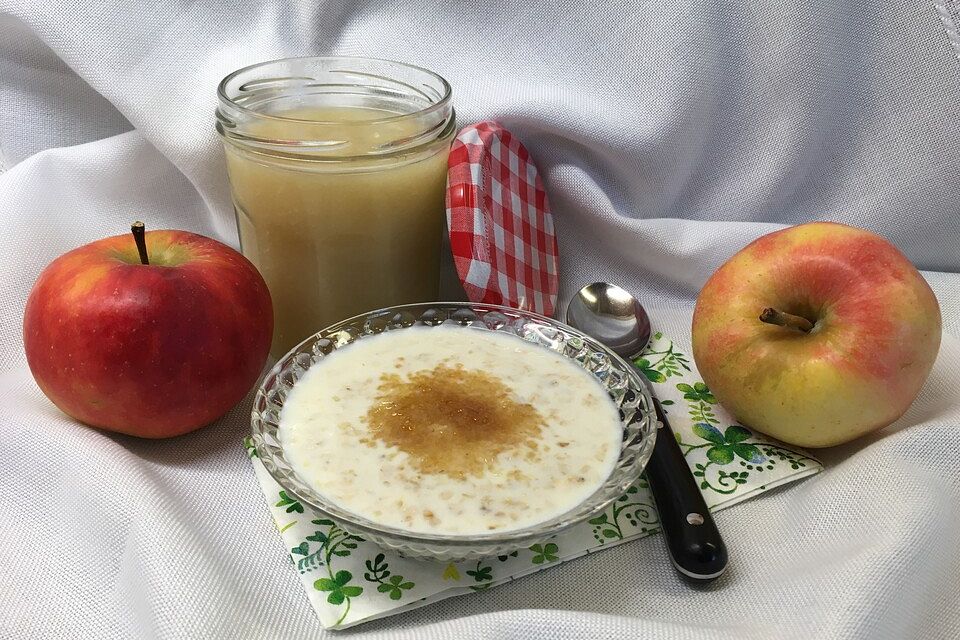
[{"x": 450, "y": 430}]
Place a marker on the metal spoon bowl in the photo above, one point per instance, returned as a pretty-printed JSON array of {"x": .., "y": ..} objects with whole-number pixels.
[{"x": 612, "y": 316}]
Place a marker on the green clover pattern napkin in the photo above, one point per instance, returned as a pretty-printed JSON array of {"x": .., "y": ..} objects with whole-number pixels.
[{"x": 349, "y": 580}]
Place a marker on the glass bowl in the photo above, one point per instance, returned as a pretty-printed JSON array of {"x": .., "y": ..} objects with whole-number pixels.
[{"x": 620, "y": 379}]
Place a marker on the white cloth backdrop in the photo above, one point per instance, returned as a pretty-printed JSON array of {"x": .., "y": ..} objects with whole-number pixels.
[{"x": 670, "y": 134}]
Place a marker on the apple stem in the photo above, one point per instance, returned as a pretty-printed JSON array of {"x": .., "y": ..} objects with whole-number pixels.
[
  {"x": 139, "y": 235},
  {"x": 772, "y": 316}
]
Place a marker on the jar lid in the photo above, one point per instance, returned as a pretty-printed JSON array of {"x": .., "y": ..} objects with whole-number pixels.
[{"x": 501, "y": 230}]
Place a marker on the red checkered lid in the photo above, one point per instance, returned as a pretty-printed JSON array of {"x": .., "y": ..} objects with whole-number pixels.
[{"x": 501, "y": 230}]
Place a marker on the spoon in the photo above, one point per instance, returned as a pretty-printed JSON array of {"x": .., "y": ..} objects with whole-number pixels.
[{"x": 614, "y": 317}]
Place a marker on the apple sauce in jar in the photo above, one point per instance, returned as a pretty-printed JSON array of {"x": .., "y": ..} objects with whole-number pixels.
[{"x": 337, "y": 170}]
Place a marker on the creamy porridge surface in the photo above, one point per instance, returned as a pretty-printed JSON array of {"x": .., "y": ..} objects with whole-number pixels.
[{"x": 450, "y": 430}]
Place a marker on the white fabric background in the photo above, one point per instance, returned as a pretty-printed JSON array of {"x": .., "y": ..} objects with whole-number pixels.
[{"x": 670, "y": 134}]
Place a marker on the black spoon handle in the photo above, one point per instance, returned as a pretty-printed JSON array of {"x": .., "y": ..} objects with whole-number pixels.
[{"x": 692, "y": 538}]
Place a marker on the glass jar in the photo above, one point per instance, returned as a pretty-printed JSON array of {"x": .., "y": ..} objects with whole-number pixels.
[{"x": 337, "y": 169}]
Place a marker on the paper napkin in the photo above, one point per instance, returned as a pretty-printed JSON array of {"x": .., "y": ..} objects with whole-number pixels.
[{"x": 349, "y": 580}]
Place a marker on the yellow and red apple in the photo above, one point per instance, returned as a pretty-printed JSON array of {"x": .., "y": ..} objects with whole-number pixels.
[
  {"x": 152, "y": 350},
  {"x": 816, "y": 334}
]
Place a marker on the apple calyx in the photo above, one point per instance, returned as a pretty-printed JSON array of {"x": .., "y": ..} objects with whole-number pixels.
[
  {"x": 139, "y": 236},
  {"x": 789, "y": 320}
]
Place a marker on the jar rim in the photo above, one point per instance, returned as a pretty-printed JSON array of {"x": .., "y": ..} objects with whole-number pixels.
[{"x": 442, "y": 103}]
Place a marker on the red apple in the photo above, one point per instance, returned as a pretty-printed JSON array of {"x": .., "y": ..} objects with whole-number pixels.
[
  {"x": 152, "y": 350},
  {"x": 848, "y": 334}
]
